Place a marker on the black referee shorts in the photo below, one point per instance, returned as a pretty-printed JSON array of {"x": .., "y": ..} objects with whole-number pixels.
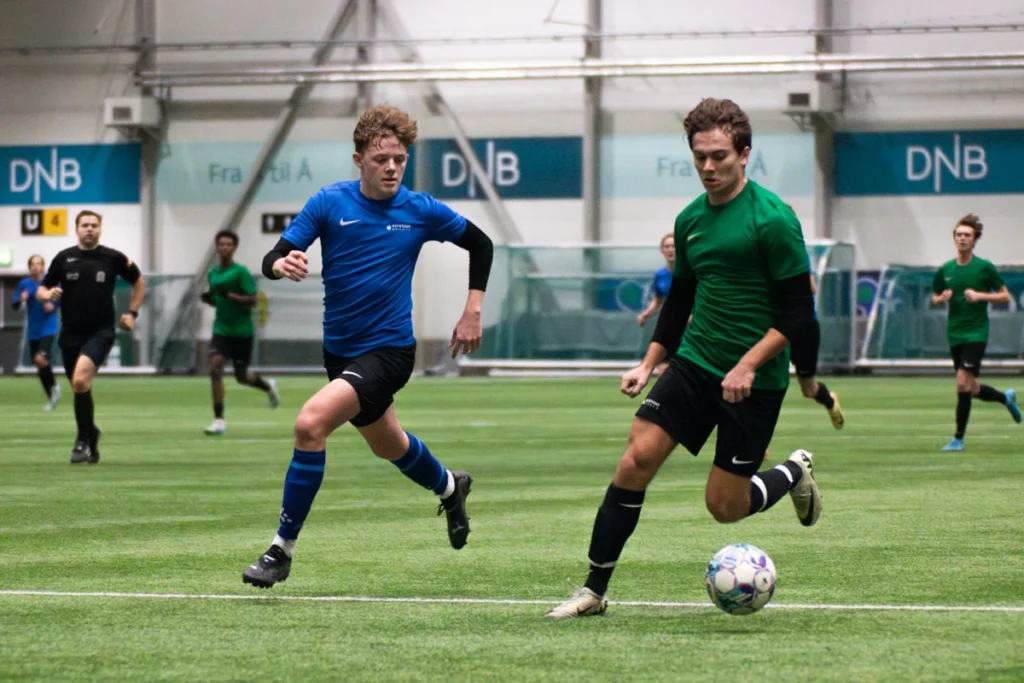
[
  {"x": 376, "y": 376},
  {"x": 687, "y": 403},
  {"x": 93, "y": 345}
]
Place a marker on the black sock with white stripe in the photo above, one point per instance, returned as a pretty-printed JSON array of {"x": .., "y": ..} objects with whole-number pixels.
[
  {"x": 768, "y": 487},
  {"x": 616, "y": 520}
]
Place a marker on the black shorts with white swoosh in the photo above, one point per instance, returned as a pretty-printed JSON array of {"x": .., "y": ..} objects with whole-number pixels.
[
  {"x": 968, "y": 356},
  {"x": 376, "y": 376},
  {"x": 687, "y": 403}
]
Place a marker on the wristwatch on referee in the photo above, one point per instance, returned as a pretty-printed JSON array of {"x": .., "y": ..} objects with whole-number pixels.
[{"x": 134, "y": 314}]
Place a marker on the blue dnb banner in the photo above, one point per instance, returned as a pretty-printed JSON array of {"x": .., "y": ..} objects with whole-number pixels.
[
  {"x": 69, "y": 174},
  {"x": 946, "y": 162},
  {"x": 519, "y": 168},
  {"x": 659, "y": 165}
]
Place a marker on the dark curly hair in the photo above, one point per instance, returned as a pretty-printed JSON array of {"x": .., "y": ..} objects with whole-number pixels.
[{"x": 723, "y": 114}]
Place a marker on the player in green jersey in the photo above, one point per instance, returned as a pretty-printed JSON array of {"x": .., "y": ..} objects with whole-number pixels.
[
  {"x": 741, "y": 269},
  {"x": 233, "y": 294},
  {"x": 969, "y": 284}
]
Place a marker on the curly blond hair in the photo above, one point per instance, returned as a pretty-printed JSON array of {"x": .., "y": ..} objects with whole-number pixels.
[{"x": 380, "y": 122}]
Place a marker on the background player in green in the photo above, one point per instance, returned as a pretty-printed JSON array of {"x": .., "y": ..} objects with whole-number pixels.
[
  {"x": 969, "y": 284},
  {"x": 233, "y": 293},
  {"x": 741, "y": 269}
]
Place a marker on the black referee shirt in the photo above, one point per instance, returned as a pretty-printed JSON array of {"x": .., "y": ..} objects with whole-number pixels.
[{"x": 87, "y": 277}]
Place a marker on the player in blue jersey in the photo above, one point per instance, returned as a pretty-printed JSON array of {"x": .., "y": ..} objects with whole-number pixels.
[
  {"x": 370, "y": 231},
  {"x": 662, "y": 279},
  {"x": 660, "y": 285},
  {"x": 42, "y": 327}
]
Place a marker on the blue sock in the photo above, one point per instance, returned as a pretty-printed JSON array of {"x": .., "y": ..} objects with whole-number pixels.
[
  {"x": 422, "y": 467},
  {"x": 300, "y": 487}
]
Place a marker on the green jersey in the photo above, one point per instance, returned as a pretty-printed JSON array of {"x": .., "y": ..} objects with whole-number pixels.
[
  {"x": 967, "y": 322},
  {"x": 234, "y": 319},
  {"x": 736, "y": 251}
]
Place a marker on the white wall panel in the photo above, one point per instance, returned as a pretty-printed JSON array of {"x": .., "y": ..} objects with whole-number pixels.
[
  {"x": 918, "y": 230},
  {"x": 122, "y": 230}
]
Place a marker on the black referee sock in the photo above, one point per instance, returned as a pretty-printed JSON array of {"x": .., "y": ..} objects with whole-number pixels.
[
  {"x": 963, "y": 411},
  {"x": 768, "y": 487},
  {"x": 988, "y": 393},
  {"x": 823, "y": 396},
  {"x": 84, "y": 415},
  {"x": 259, "y": 383},
  {"x": 616, "y": 519},
  {"x": 46, "y": 377},
  {"x": 218, "y": 411}
]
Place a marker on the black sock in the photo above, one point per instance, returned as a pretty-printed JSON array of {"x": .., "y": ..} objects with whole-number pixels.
[
  {"x": 46, "y": 377},
  {"x": 774, "y": 484},
  {"x": 259, "y": 383},
  {"x": 987, "y": 393},
  {"x": 84, "y": 415},
  {"x": 616, "y": 520},
  {"x": 218, "y": 411},
  {"x": 963, "y": 411},
  {"x": 823, "y": 396}
]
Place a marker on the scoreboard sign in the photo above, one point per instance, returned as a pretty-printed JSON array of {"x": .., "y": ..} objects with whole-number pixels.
[
  {"x": 47, "y": 222},
  {"x": 276, "y": 222}
]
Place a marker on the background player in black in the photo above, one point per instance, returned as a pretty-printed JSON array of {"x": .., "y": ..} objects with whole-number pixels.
[{"x": 83, "y": 278}]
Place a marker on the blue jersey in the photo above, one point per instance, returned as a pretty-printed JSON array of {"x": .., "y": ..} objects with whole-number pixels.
[
  {"x": 369, "y": 250},
  {"x": 40, "y": 323},
  {"x": 662, "y": 281}
]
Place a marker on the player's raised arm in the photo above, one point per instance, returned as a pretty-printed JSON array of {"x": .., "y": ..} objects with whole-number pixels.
[
  {"x": 285, "y": 260},
  {"x": 131, "y": 274},
  {"x": 49, "y": 289},
  {"x": 468, "y": 331},
  {"x": 668, "y": 333},
  {"x": 288, "y": 257},
  {"x": 20, "y": 295}
]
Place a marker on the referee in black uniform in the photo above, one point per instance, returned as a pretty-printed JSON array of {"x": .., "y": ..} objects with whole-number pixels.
[{"x": 84, "y": 277}]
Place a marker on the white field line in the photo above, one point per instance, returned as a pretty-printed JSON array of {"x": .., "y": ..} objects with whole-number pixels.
[{"x": 494, "y": 601}]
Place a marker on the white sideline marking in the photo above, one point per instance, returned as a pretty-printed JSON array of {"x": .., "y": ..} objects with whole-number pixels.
[{"x": 490, "y": 601}]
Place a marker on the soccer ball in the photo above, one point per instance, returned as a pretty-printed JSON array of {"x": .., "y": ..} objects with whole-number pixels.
[{"x": 740, "y": 579}]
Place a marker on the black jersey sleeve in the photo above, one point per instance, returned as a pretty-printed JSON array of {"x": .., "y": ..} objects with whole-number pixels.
[
  {"x": 280, "y": 250},
  {"x": 55, "y": 274},
  {"x": 675, "y": 313},
  {"x": 795, "y": 313},
  {"x": 127, "y": 269},
  {"x": 481, "y": 255}
]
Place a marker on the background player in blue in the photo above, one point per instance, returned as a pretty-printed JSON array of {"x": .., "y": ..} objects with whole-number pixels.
[
  {"x": 660, "y": 285},
  {"x": 42, "y": 327},
  {"x": 370, "y": 231},
  {"x": 662, "y": 279}
]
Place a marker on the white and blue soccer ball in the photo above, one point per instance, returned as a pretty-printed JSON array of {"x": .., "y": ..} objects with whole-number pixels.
[{"x": 740, "y": 579}]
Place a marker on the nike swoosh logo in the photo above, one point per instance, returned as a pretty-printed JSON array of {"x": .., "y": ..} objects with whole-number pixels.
[
  {"x": 740, "y": 462},
  {"x": 354, "y": 374},
  {"x": 693, "y": 236},
  {"x": 344, "y": 222}
]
